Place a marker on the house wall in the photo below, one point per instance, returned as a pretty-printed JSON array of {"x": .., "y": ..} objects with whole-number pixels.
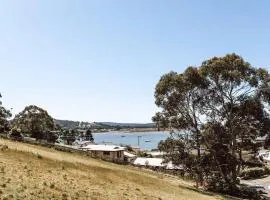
[{"x": 114, "y": 156}]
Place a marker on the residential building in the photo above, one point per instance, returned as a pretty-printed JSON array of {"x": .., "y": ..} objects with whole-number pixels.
[{"x": 106, "y": 152}]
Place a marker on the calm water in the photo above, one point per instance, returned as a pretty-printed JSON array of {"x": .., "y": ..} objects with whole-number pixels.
[{"x": 152, "y": 138}]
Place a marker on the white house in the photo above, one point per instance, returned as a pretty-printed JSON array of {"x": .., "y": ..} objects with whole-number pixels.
[
  {"x": 150, "y": 162},
  {"x": 107, "y": 152},
  {"x": 156, "y": 163}
]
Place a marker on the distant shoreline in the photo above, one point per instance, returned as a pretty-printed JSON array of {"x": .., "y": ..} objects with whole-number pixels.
[{"x": 131, "y": 131}]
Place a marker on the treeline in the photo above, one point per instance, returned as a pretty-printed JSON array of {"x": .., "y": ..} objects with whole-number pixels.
[
  {"x": 35, "y": 122},
  {"x": 221, "y": 106},
  {"x": 101, "y": 125}
]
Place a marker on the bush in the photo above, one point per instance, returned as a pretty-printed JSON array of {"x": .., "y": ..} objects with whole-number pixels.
[
  {"x": 255, "y": 172},
  {"x": 16, "y": 134},
  {"x": 3, "y": 147},
  {"x": 38, "y": 156}
]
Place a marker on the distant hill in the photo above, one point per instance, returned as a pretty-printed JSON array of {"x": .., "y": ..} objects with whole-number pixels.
[
  {"x": 69, "y": 124},
  {"x": 127, "y": 125}
]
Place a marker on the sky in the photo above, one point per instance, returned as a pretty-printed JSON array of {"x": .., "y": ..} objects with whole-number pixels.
[{"x": 99, "y": 60}]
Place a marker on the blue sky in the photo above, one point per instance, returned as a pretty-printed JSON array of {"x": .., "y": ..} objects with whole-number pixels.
[{"x": 100, "y": 60}]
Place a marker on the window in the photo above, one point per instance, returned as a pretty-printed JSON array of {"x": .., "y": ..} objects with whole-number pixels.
[
  {"x": 106, "y": 153},
  {"x": 118, "y": 154}
]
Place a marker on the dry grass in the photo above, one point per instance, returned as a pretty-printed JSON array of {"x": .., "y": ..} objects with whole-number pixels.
[{"x": 33, "y": 172}]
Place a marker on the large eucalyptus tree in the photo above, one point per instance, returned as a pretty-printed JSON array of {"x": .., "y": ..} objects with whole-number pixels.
[
  {"x": 34, "y": 121},
  {"x": 219, "y": 104}
]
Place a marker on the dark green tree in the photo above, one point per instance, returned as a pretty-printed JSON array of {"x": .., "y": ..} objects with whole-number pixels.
[
  {"x": 157, "y": 119},
  {"x": 70, "y": 135},
  {"x": 4, "y": 115},
  {"x": 89, "y": 136},
  {"x": 234, "y": 102},
  {"x": 34, "y": 121},
  {"x": 219, "y": 105}
]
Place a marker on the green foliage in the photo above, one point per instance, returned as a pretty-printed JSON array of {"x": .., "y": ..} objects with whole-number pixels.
[
  {"x": 69, "y": 135},
  {"x": 34, "y": 121},
  {"x": 160, "y": 121},
  {"x": 38, "y": 156},
  {"x": 4, "y": 115},
  {"x": 220, "y": 106},
  {"x": 143, "y": 154},
  {"x": 129, "y": 148},
  {"x": 16, "y": 134},
  {"x": 89, "y": 136}
]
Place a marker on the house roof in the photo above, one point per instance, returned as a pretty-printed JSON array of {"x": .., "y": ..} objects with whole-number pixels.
[
  {"x": 154, "y": 162},
  {"x": 130, "y": 155},
  {"x": 103, "y": 147},
  {"x": 170, "y": 165},
  {"x": 262, "y": 138}
]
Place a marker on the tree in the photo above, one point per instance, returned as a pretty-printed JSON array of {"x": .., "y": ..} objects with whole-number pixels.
[
  {"x": 88, "y": 135},
  {"x": 234, "y": 102},
  {"x": 34, "y": 121},
  {"x": 219, "y": 105},
  {"x": 69, "y": 135},
  {"x": 179, "y": 96},
  {"x": 4, "y": 115},
  {"x": 158, "y": 119}
]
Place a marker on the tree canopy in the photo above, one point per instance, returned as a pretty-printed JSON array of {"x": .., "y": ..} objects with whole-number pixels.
[
  {"x": 4, "y": 115},
  {"x": 217, "y": 105},
  {"x": 34, "y": 121},
  {"x": 89, "y": 136}
]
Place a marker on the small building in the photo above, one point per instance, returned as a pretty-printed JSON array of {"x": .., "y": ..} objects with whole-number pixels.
[
  {"x": 106, "y": 152},
  {"x": 158, "y": 163},
  {"x": 171, "y": 166},
  {"x": 149, "y": 162},
  {"x": 129, "y": 157}
]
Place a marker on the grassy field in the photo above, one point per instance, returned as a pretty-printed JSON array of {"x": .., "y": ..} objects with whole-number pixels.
[{"x": 34, "y": 172}]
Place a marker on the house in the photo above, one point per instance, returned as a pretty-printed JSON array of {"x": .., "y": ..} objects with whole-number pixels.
[
  {"x": 149, "y": 162},
  {"x": 171, "y": 166},
  {"x": 157, "y": 163},
  {"x": 129, "y": 157},
  {"x": 263, "y": 140},
  {"x": 106, "y": 152}
]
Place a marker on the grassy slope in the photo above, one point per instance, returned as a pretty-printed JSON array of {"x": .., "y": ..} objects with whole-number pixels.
[{"x": 58, "y": 175}]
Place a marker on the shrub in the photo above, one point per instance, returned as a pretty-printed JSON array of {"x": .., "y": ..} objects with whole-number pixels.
[
  {"x": 52, "y": 185},
  {"x": 38, "y": 156},
  {"x": 3, "y": 147},
  {"x": 16, "y": 134},
  {"x": 255, "y": 172}
]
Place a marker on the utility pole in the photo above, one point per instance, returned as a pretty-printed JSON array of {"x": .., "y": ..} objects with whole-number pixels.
[{"x": 139, "y": 140}]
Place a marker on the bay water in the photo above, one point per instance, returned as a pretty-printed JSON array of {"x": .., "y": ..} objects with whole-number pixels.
[{"x": 144, "y": 140}]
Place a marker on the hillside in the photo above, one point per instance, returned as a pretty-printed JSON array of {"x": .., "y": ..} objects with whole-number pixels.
[
  {"x": 127, "y": 125},
  {"x": 34, "y": 172},
  {"x": 106, "y": 125}
]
